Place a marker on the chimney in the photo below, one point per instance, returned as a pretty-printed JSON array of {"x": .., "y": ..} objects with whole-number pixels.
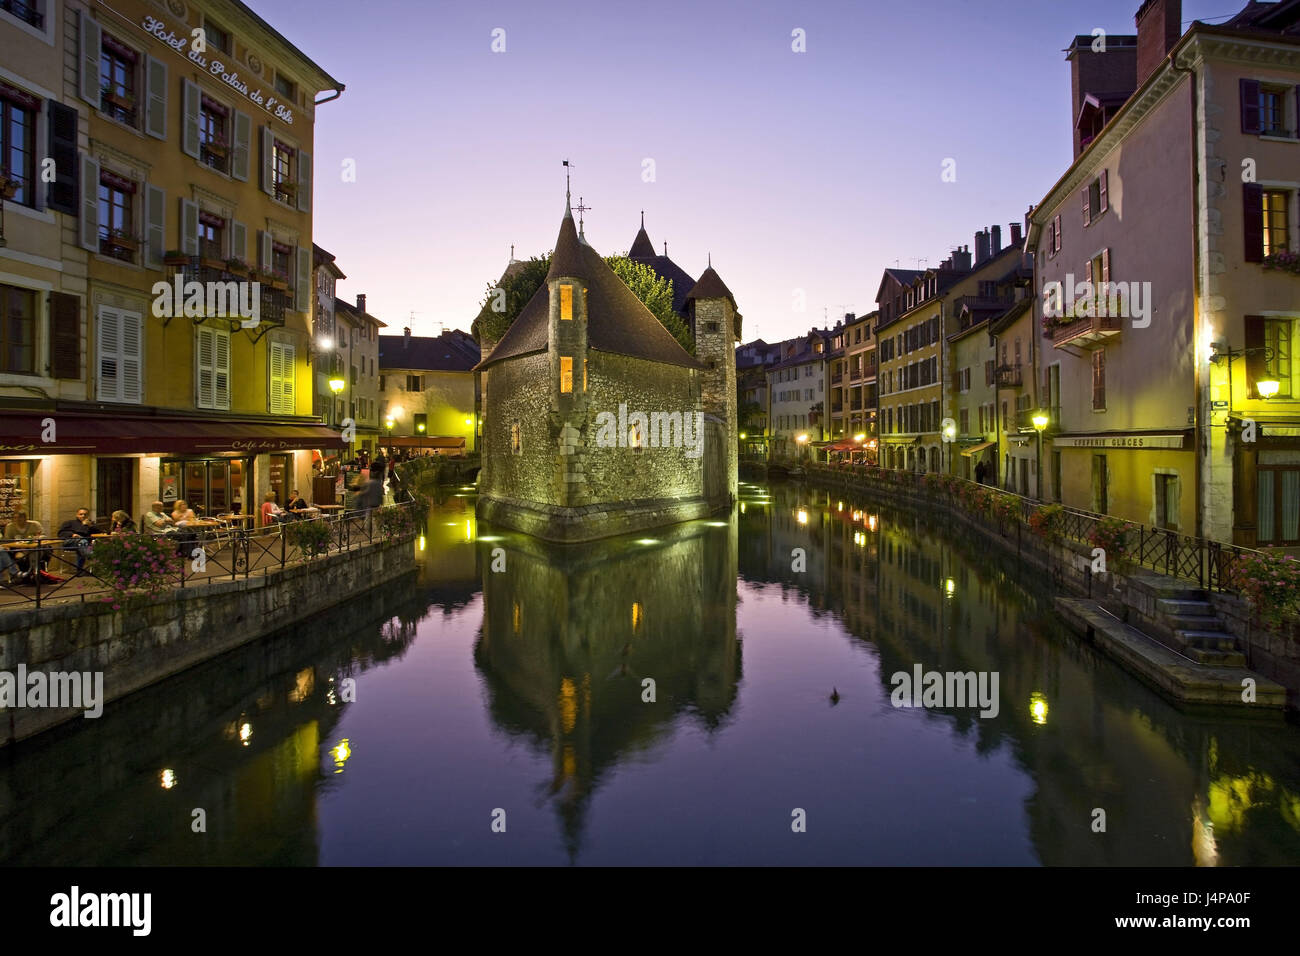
[
  {"x": 849, "y": 316},
  {"x": 361, "y": 302},
  {"x": 1159, "y": 25},
  {"x": 406, "y": 336},
  {"x": 1016, "y": 236},
  {"x": 981, "y": 247},
  {"x": 1110, "y": 76},
  {"x": 961, "y": 259},
  {"x": 997, "y": 241}
]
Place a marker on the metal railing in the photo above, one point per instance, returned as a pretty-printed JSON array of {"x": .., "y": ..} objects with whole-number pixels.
[
  {"x": 1209, "y": 563},
  {"x": 223, "y": 552}
]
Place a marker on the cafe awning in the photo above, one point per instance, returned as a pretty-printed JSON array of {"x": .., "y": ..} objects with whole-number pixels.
[
  {"x": 976, "y": 449},
  {"x": 76, "y": 434}
]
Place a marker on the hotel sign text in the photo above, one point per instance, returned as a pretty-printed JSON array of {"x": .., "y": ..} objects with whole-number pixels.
[{"x": 181, "y": 44}]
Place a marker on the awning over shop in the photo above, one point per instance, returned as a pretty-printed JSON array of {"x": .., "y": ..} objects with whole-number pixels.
[
  {"x": 76, "y": 434},
  {"x": 976, "y": 449}
]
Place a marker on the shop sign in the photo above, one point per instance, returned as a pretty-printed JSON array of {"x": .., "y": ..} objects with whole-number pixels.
[{"x": 1119, "y": 441}]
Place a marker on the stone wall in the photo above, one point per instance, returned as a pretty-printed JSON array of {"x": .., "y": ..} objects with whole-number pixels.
[{"x": 149, "y": 640}]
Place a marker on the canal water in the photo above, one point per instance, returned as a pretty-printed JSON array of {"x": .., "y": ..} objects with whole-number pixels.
[{"x": 504, "y": 687}]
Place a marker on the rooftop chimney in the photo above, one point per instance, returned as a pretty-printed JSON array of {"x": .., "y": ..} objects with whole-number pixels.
[
  {"x": 997, "y": 241},
  {"x": 850, "y": 316},
  {"x": 961, "y": 259},
  {"x": 1106, "y": 68},
  {"x": 361, "y": 302},
  {"x": 981, "y": 246},
  {"x": 1159, "y": 24},
  {"x": 1015, "y": 234},
  {"x": 406, "y": 337}
]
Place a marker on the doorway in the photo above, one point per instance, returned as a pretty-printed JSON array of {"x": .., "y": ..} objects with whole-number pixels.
[
  {"x": 1100, "y": 481},
  {"x": 114, "y": 486},
  {"x": 211, "y": 485}
]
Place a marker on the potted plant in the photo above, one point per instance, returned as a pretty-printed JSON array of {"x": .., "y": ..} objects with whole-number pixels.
[
  {"x": 1270, "y": 584},
  {"x": 276, "y": 279},
  {"x": 217, "y": 146},
  {"x": 312, "y": 538},
  {"x": 237, "y": 266},
  {"x": 1109, "y": 534},
  {"x": 134, "y": 562},
  {"x": 1048, "y": 522},
  {"x": 122, "y": 239},
  {"x": 1283, "y": 261}
]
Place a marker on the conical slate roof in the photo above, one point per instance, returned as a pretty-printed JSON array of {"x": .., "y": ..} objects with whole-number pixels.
[
  {"x": 617, "y": 321},
  {"x": 643, "y": 252},
  {"x": 711, "y": 286},
  {"x": 642, "y": 248}
]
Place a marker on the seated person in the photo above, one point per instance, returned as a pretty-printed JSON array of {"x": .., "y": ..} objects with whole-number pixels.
[
  {"x": 181, "y": 512},
  {"x": 122, "y": 523},
  {"x": 76, "y": 534},
  {"x": 19, "y": 562},
  {"x": 296, "y": 503},
  {"x": 272, "y": 513},
  {"x": 157, "y": 521}
]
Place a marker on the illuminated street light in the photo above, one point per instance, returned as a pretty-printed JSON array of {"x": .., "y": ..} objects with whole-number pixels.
[
  {"x": 1268, "y": 387},
  {"x": 859, "y": 437},
  {"x": 336, "y": 385},
  {"x": 1040, "y": 421}
]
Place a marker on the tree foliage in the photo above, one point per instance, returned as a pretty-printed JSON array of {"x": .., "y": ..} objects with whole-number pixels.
[{"x": 504, "y": 301}]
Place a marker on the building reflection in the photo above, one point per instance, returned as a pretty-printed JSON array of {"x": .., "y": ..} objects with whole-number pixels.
[{"x": 571, "y": 636}]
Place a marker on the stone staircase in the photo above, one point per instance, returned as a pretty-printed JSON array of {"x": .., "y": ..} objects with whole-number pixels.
[{"x": 1187, "y": 623}]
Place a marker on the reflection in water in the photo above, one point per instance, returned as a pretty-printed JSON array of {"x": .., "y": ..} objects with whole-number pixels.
[{"x": 595, "y": 695}]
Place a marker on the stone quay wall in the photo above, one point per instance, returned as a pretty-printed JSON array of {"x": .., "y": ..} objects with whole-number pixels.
[{"x": 150, "y": 639}]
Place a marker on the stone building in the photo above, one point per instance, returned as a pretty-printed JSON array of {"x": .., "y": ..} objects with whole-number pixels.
[
  {"x": 643, "y": 252},
  {"x": 595, "y": 420}
]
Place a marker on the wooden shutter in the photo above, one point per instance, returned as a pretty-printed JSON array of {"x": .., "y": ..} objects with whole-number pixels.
[
  {"x": 221, "y": 369},
  {"x": 1256, "y": 361},
  {"x": 1105, "y": 266},
  {"x": 238, "y": 241},
  {"x": 189, "y": 227},
  {"x": 91, "y": 45},
  {"x": 65, "y": 335},
  {"x": 108, "y": 339},
  {"x": 132, "y": 358},
  {"x": 241, "y": 143},
  {"x": 1087, "y": 208},
  {"x": 268, "y": 156},
  {"x": 287, "y": 354},
  {"x": 155, "y": 123},
  {"x": 205, "y": 354},
  {"x": 264, "y": 250},
  {"x": 1105, "y": 190},
  {"x": 275, "y": 359},
  {"x": 190, "y": 118},
  {"x": 62, "y": 195},
  {"x": 1057, "y": 222},
  {"x": 155, "y": 229},
  {"x": 1250, "y": 117},
  {"x": 1099, "y": 380},
  {"x": 90, "y": 204},
  {"x": 1252, "y": 214},
  {"x": 302, "y": 283},
  {"x": 304, "y": 181}
]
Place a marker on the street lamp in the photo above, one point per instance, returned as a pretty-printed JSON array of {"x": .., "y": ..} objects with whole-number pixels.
[
  {"x": 1267, "y": 387},
  {"x": 1040, "y": 421},
  {"x": 336, "y": 386},
  {"x": 949, "y": 436}
]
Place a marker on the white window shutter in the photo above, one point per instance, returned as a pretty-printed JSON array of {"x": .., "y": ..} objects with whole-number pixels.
[
  {"x": 109, "y": 337},
  {"x": 302, "y": 290},
  {"x": 304, "y": 180},
  {"x": 155, "y": 230},
  {"x": 276, "y": 360},
  {"x": 92, "y": 42},
  {"x": 289, "y": 354},
  {"x": 204, "y": 357},
  {"x": 238, "y": 241},
  {"x": 189, "y": 227},
  {"x": 155, "y": 123},
  {"x": 132, "y": 359},
  {"x": 190, "y": 119},
  {"x": 221, "y": 377},
  {"x": 241, "y": 144},
  {"x": 89, "y": 204},
  {"x": 264, "y": 250},
  {"x": 268, "y": 186}
]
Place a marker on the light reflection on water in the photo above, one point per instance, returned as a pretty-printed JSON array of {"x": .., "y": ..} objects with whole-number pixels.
[{"x": 392, "y": 730}]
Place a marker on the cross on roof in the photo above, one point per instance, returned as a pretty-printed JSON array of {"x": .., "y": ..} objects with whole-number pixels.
[{"x": 581, "y": 209}]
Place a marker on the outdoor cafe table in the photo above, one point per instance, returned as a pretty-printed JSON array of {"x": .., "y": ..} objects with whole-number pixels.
[
  {"x": 330, "y": 507},
  {"x": 240, "y": 518}
]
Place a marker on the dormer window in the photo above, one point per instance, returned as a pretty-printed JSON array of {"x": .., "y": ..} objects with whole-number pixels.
[{"x": 566, "y": 302}]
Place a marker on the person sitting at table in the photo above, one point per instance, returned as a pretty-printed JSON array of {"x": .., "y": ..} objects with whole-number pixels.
[
  {"x": 272, "y": 513},
  {"x": 182, "y": 512},
  {"x": 157, "y": 521},
  {"x": 76, "y": 534},
  {"x": 122, "y": 523},
  {"x": 18, "y": 529},
  {"x": 182, "y": 515}
]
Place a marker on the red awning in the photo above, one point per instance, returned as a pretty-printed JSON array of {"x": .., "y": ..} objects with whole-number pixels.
[{"x": 114, "y": 435}]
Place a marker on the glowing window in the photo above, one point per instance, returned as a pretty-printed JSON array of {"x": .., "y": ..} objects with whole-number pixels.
[
  {"x": 584, "y": 375},
  {"x": 566, "y": 374},
  {"x": 516, "y": 441},
  {"x": 566, "y": 302}
]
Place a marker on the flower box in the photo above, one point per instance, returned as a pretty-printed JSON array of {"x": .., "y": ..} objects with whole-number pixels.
[
  {"x": 120, "y": 100},
  {"x": 1283, "y": 262},
  {"x": 175, "y": 257}
]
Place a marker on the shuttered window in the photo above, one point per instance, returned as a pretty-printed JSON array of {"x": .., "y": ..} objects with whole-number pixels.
[
  {"x": 1099, "y": 380},
  {"x": 17, "y": 329},
  {"x": 281, "y": 360},
  {"x": 213, "y": 372},
  {"x": 120, "y": 343},
  {"x": 65, "y": 335}
]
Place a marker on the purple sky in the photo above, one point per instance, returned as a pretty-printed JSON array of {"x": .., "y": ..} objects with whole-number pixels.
[{"x": 809, "y": 171}]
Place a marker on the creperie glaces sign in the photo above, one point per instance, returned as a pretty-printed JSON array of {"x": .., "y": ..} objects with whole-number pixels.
[{"x": 183, "y": 45}]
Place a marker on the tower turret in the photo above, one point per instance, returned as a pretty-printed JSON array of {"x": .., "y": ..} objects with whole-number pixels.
[
  {"x": 566, "y": 345},
  {"x": 716, "y": 321}
]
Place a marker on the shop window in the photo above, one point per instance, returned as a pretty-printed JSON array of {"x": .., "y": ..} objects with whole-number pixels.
[
  {"x": 1279, "y": 505},
  {"x": 15, "y": 490},
  {"x": 17, "y": 330}
]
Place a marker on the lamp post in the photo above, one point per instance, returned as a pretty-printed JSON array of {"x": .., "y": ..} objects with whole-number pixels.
[
  {"x": 1267, "y": 387},
  {"x": 336, "y": 386},
  {"x": 1040, "y": 421},
  {"x": 949, "y": 436}
]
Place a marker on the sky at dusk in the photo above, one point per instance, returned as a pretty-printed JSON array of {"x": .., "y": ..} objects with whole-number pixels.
[{"x": 809, "y": 171}]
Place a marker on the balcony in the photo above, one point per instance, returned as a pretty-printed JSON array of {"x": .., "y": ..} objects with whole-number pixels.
[
  {"x": 1007, "y": 376},
  {"x": 272, "y": 300},
  {"x": 855, "y": 375},
  {"x": 836, "y": 378},
  {"x": 1085, "y": 332}
]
